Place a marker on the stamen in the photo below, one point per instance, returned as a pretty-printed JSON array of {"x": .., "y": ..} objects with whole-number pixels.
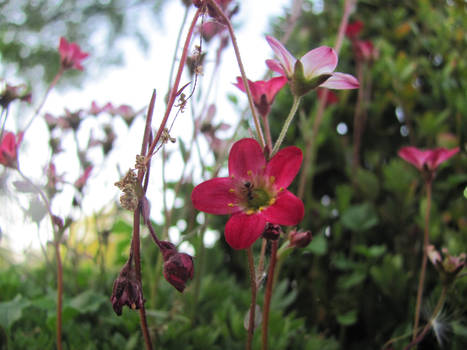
[
  {"x": 249, "y": 172},
  {"x": 231, "y": 190},
  {"x": 250, "y": 211},
  {"x": 230, "y": 205},
  {"x": 272, "y": 179}
]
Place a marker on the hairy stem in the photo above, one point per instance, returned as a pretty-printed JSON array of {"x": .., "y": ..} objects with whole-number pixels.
[
  {"x": 285, "y": 127},
  {"x": 421, "y": 280},
  {"x": 268, "y": 295},
  {"x": 251, "y": 321}
]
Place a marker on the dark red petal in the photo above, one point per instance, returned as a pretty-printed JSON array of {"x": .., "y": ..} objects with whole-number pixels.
[
  {"x": 287, "y": 210},
  {"x": 284, "y": 166},
  {"x": 213, "y": 196},
  {"x": 246, "y": 155},
  {"x": 242, "y": 230}
]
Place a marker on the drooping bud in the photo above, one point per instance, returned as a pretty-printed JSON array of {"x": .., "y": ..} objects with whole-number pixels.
[
  {"x": 300, "y": 239},
  {"x": 126, "y": 291},
  {"x": 178, "y": 267},
  {"x": 272, "y": 231}
]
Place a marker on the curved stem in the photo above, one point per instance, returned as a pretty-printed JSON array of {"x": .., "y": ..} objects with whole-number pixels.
[
  {"x": 285, "y": 127},
  {"x": 251, "y": 322},
  {"x": 226, "y": 21},
  {"x": 268, "y": 295},
  {"x": 421, "y": 280}
]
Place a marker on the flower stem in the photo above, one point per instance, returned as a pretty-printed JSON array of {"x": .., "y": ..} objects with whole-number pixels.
[
  {"x": 268, "y": 295},
  {"x": 435, "y": 313},
  {"x": 421, "y": 280},
  {"x": 285, "y": 127},
  {"x": 173, "y": 92},
  {"x": 309, "y": 154},
  {"x": 226, "y": 21},
  {"x": 51, "y": 86},
  {"x": 251, "y": 322}
]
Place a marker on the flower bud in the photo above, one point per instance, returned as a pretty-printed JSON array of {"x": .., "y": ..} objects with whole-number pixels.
[
  {"x": 126, "y": 291},
  {"x": 178, "y": 267},
  {"x": 272, "y": 231},
  {"x": 449, "y": 267},
  {"x": 300, "y": 239}
]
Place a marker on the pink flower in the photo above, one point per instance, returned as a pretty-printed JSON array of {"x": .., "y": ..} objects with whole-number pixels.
[
  {"x": 255, "y": 193},
  {"x": 365, "y": 50},
  {"x": 448, "y": 267},
  {"x": 315, "y": 68},
  {"x": 263, "y": 92},
  {"x": 71, "y": 55},
  {"x": 331, "y": 97},
  {"x": 353, "y": 29},
  {"x": 9, "y": 149},
  {"x": 426, "y": 159}
]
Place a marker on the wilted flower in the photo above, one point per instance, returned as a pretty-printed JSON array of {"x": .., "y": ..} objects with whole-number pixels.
[
  {"x": 365, "y": 50},
  {"x": 315, "y": 68},
  {"x": 9, "y": 149},
  {"x": 178, "y": 267},
  {"x": 71, "y": 55},
  {"x": 448, "y": 267},
  {"x": 10, "y": 93},
  {"x": 272, "y": 231},
  {"x": 255, "y": 193},
  {"x": 263, "y": 92},
  {"x": 126, "y": 291}
]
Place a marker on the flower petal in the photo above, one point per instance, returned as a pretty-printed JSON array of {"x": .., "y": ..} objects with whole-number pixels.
[
  {"x": 287, "y": 210},
  {"x": 341, "y": 81},
  {"x": 246, "y": 155},
  {"x": 284, "y": 166},
  {"x": 273, "y": 86},
  {"x": 285, "y": 57},
  {"x": 275, "y": 66},
  {"x": 439, "y": 155},
  {"x": 213, "y": 196},
  {"x": 322, "y": 60},
  {"x": 414, "y": 156},
  {"x": 242, "y": 230}
]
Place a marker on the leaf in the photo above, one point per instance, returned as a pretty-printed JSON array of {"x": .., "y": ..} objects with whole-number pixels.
[
  {"x": 318, "y": 246},
  {"x": 37, "y": 210},
  {"x": 360, "y": 217},
  {"x": 24, "y": 187},
  {"x": 368, "y": 183},
  {"x": 373, "y": 251},
  {"x": 351, "y": 280},
  {"x": 11, "y": 311},
  {"x": 347, "y": 319},
  {"x": 88, "y": 302}
]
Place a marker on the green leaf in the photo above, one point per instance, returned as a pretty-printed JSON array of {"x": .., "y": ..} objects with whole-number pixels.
[
  {"x": 360, "y": 217},
  {"x": 368, "y": 183},
  {"x": 88, "y": 301},
  {"x": 465, "y": 192},
  {"x": 318, "y": 245},
  {"x": 11, "y": 311},
  {"x": 374, "y": 251},
  {"x": 351, "y": 280},
  {"x": 347, "y": 319}
]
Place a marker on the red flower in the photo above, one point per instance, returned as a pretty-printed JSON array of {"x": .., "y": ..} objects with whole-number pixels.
[
  {"x": 353, "y": 29},
  {"x": 365, "y": 50},
  {"x": 9, "y": 149},
  {"x": 331, "y": 97},
  {"x": 429, "y": 159},
  {"x": 255, "y": 193},
  {"x": 71, "y": 55},
  {"x": 263, "y": 92}
]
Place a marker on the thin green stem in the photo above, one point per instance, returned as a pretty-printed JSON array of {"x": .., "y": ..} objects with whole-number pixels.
[
  {"x": 421, "y": 280},
  {"x": 285, "y": 127},
  {"x": 251, "y": 321},
  {"x": 268, "y": 295}
]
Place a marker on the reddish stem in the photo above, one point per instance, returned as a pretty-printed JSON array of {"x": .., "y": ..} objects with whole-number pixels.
[
  {"x": 251, "y": 321},
  {"x": 268, "y": 295},
  {"x": 173, "y": 92},
  {"x": 59, "y": 293}
]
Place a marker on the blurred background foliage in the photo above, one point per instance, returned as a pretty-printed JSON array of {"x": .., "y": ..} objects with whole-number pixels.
[{"x": 354, "y": 286}]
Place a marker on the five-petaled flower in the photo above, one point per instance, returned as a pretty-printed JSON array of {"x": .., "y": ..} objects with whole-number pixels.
[
  {"x": 71, "y": 55},
  {"x": 263, "y": 92},
  {"x": 255, "y": 193},
  {"x": 9, "y": 149},
  {"x": 315, "y": 68},
  {"x": 427, "y": 161}
]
